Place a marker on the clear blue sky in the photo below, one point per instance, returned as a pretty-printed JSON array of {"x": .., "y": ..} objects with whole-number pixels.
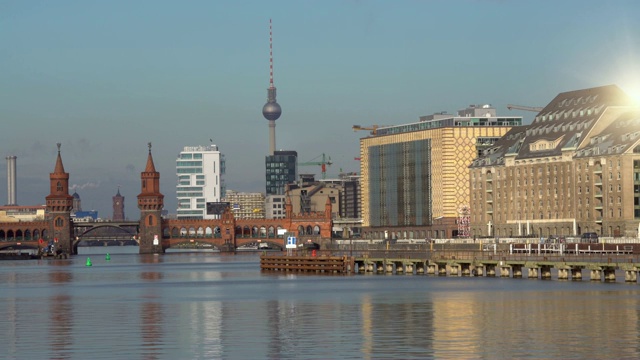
[{"x": 106, "y": 77}]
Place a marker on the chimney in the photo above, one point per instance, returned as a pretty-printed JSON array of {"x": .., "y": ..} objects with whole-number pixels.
[{"x": 11, "y": 180}]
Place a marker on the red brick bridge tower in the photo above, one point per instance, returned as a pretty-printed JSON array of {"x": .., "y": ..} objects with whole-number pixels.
[
  {"x": 59, "y": 205},
  {"x": 150, "y": 203}
]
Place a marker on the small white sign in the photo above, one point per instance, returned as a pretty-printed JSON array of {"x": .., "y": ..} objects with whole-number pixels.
[
  {"x": 155, "y": 240},
  {"x": 291, "y": 242}
]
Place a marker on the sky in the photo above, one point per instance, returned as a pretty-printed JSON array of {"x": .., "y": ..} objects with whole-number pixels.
[{"x": 104, "y": 78}]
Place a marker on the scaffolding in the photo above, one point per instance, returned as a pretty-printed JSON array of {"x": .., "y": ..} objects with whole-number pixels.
[{"x": 464, "y": 215}]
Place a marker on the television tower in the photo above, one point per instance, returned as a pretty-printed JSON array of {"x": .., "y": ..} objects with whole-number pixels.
[{"x": 271, "y": 110}]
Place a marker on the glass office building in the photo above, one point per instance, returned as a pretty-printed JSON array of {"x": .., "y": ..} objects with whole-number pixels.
[{"x": 281, "y": 169}]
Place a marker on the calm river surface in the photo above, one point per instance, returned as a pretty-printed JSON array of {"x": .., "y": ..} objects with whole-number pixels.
[{"x": 214, "y": 306}]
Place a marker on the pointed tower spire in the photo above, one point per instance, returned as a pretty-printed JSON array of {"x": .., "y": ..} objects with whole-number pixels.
[
  {"x": 59, "y": 169},
  {"x": 150, "y": 167}
]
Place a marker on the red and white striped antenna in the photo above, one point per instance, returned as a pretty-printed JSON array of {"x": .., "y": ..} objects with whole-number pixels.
[{"x": 270, "y": 56}]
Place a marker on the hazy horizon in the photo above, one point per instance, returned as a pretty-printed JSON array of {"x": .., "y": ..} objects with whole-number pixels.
[{"x": 106, "y": 78}]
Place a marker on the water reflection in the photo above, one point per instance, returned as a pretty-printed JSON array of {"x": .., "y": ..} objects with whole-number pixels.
[
  {"x": 60, "y": 272},
  {"x": 152, "y": 274},
  {"x": 152, "y": 321},
  {"x": 208, "y": 306},
  {"x": 60, "y": 326}
]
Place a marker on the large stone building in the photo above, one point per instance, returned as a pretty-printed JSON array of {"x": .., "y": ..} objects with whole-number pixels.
[
  {"x": 415, "y": 177},
  {"x": 309, "y": 195},
  {"x": 575, "y": 169}
]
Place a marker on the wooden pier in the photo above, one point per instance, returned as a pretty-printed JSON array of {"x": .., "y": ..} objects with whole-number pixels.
[{"x": 314, "y": 264}]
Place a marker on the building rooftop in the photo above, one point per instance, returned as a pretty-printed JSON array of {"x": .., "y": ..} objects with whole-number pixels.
[{"x": 474, "y": 115}]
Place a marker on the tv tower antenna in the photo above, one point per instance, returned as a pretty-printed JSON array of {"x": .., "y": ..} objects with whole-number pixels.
[
  {"x": 270, "y": 56},
  {"x": 271, "y": 110}
]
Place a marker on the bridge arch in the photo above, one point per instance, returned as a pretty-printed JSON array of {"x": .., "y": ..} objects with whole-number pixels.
[{"x": 105, "y": 230}]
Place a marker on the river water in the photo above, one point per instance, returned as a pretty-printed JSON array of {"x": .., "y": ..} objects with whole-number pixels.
[{"x": 216, "y": 306}]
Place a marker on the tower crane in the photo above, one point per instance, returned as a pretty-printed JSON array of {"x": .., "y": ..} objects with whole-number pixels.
[
  {"x": 372, "y": 128},
  {"x": 326, "y": 160},
  {"x": 526, "y": 108}
]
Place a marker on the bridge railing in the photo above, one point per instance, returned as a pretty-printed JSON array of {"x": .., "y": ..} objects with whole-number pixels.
[{"x": 473, "y": 255}]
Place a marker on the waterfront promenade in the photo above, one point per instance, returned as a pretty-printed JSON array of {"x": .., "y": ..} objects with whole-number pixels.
[{"x": 564, "y": 261}]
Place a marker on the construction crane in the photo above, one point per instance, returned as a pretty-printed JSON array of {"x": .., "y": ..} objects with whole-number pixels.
[
  {"x": 326, "y": 160},
  {"x": 526, "y": 108},
  {"x": 372, "y": 128}
]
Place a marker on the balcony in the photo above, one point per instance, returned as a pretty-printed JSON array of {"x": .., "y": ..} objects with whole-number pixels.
[
  {"x": 597, "y": 180},
  {"x": 597, "y": 169}
]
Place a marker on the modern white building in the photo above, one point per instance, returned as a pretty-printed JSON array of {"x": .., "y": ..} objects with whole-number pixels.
[{"x": 200, "y": 171}]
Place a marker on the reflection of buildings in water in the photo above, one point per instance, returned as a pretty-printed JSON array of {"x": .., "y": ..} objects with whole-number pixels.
[
  {"x": 274, "y": 346},
  {"x": 10, "y": 333},
  {"x": 151, "y": 259},
  {"x": 480, "y": 325},
  {"x": 60, "y": 310},
  {"x": 61, "y": 272},
  {"x": 407, "y": 324},
  {"x": 61, "y": 325},
  {"x": 204, "y": 321},
  {"x": 151, "y": 275},
  {"x": 151, "y": 327},
  {"x": 366, "y": 311},
  {"x": 453, "y": 325}
]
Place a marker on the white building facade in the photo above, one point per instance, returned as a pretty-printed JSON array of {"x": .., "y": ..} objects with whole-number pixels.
[{"x": 200, "y": 171}]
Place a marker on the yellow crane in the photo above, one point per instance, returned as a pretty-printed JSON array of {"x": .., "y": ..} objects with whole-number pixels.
[{"x": 372, "y": 128}]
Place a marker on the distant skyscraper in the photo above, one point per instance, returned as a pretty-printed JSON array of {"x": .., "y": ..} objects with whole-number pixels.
[
  {"x": 118, "y": 207},
  {"x": 271, "y": 110},
  {"x": 200, "y": 170},
  {"x": 281, "y": 169}
]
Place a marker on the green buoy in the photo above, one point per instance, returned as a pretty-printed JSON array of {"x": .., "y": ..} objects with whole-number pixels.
[
  {"x": 89, "y": 262},
  {"x": 108, "y": 257}
]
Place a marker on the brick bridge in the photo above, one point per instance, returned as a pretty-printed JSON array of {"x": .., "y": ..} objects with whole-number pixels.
[{"x": 153, "y": 233}]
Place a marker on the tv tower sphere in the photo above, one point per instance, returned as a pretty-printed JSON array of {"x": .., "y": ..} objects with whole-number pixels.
[{"x": 271, "y": 110}]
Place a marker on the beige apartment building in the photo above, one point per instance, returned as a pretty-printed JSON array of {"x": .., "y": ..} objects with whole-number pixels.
[
  {"x": 246, "y": 205},
  {"x": 574, "y": 170},
  {"x": 415, "y": 177}
]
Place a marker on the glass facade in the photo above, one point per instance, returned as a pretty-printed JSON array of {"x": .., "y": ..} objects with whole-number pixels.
[
  {"x": 281, "y": 169},
  {"x": 400, "y": 184}
]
